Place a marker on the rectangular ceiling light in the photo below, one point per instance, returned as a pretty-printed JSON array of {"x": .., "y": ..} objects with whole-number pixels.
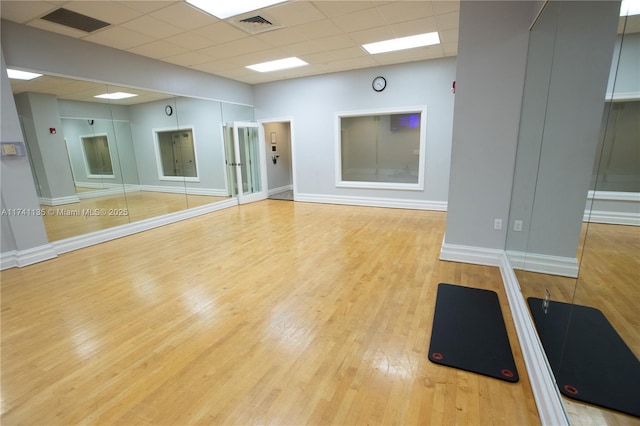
[
  {"x": 402, "y": 43},
  {"x": 226, "y": 9},
  {"x": 630, "y": 8},
  {"x": 115, "y": 95},
  {"x": 280, "y": 64},
  {"x": 22, "y": 75}
]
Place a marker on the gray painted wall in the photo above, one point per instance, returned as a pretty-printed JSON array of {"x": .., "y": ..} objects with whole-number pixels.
[
  {"x": 50, "y": 160},
  {"x": 492, "y": 49},
  {"x": 312, "y": 102},
  {"x": 19, "y": 232},
  {"x": 625, "y": 65}
]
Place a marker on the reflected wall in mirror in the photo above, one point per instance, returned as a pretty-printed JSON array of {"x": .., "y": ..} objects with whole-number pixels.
[
  {"x": 583, "y": 256},
  {"x": 101, "y": 166}
]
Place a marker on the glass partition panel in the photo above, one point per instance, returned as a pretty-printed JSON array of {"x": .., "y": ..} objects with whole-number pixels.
[
  {"x": 564, "y": 260},
  {"x": 201, "y": 154}
]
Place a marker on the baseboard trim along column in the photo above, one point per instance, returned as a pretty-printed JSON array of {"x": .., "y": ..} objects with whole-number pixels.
[
  {"x": 20, "y": 258},
  {"x": 544, "y": 264},
  {"x": 545, "y": 391}
]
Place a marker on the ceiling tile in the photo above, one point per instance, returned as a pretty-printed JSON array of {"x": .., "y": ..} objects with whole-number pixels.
[
  {"x": 190, "y": 41},
  {"x": 107, "y": 11},
  {"x": 448, "y": 21},
  {"x": 235, "y": 48},
  {"x": 341, "y": 8},
  {"x": 304, "y": 48},
  {"x": 152, "y": 27},
  {"x": 119, "y": 38},
  {"x": 358, "y": 21},
  {"x": 148, "y": 6},
  {"x": 296, "y": 13},
  {"x": 258, "y": 57},
  {"x": 446, "y": 6},
  {"x": 57, "y": 28},
  {"x": 221, "y": 32},
  {"x": 335, "y": 42},
  {"x": 449, "y": 36},
  {"x": 405, "y": 11},
  {"x": 188, "y": 59},
  {"x": 336, "y": 55},
  {"x": 372, "y": 35},
  {"x": 419, "y": 26},
  {"x": 184, "y": 16},
  {"x": 22, "y": 11},
  {"x": 317, "y": 29},
  {"x": 158, "y": 49},
  {"x": 280, "y": 37}
]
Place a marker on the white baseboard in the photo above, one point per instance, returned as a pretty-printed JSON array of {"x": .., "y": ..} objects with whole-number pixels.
[
  {"x": 548, "y": 400},
  {"x": 20, "y": 258},
  {"x": 613, "y": 208},
  {"x": 181, "y": 190},
  {"x": 86, "y": 240},
  {"x": 280, "y": 189},
  {"x": 543, "y": 384},
  {"x": 552, "y": 265},
  {"x": 59, "y": 201},
  {"x": 373, "y": 202},
  {"x": 468, "y": 254}
]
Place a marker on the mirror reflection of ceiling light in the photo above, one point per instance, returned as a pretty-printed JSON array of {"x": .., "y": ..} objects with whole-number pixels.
[
  {"x": 115, "y": 95},
  {"x": 277, "y": 65},
  {"x": 22, "y": 75},
  {"x": 630, "y": 7},
  {"x": 402, "y": 43},
  {"x": 226, "y": 9}
]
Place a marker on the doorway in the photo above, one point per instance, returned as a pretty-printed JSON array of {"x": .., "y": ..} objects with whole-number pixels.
[
  {"x": 245, "y": 156},
  {"x": 278, "y": 147}
]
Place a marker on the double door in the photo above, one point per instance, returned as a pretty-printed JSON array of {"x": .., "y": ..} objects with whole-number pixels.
[{"x": 245, "y": 160}]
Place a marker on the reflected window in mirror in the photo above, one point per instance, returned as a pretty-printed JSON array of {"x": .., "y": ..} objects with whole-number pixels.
[
  {"x": 176, "y": 154},
  {"x": 381, "y": 149},
  {"x": 97, "y": 156}
]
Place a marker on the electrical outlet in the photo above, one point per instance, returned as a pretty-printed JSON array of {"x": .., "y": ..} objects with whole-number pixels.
[
  {"x": 497, "y": 224},
  {"x": 517, "y": 225}
]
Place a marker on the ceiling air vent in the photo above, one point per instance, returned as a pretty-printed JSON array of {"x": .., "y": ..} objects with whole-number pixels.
[
  {"x": 75, "y": 20},
  {"x": 256, "y": 24}
]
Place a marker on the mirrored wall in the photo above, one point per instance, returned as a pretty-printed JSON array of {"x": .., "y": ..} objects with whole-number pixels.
[
  {"x": 574, "y": 228},
  {"x": 101, "y": 162}
]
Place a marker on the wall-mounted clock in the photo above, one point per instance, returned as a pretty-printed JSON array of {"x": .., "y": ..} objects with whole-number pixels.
[
  {"x": 379, "y": 83},
  {"x": 168, "y": 110}
]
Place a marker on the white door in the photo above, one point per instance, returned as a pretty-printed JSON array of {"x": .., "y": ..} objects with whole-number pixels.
[{"x": 248, "y": 174}]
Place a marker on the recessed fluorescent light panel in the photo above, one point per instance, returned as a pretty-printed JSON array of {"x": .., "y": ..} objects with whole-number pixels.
[
  {"x": 280, "y": 64},
  {"x": 224, "y": 9},
  {"x": 22, "y": 75},
  {"x": 402, "y": 43},
  {"x": 115, "y": 95},
  {"x": 630, "y": 7}
]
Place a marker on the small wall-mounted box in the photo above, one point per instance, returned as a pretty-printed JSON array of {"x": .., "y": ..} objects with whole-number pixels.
[{"x": 12, "y": 149}]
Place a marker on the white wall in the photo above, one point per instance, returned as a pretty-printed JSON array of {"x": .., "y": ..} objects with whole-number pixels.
[{"x": 313, "y": 101}]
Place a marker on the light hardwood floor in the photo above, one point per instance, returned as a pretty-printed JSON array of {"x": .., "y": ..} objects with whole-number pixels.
[
  {"x": 95, "y": 214},
  {"x": 268, "y": 313},
  {"x": 609, "y": 280}
]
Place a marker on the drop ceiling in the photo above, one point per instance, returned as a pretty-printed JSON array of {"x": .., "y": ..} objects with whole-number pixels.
[{"x": 326, "y": 34}]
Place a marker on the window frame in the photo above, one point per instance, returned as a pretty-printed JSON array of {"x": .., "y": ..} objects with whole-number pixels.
[
  {"x": 156, "y": 146},
  {"x": 87, "y": 166},
  {"x": 419, "y": 186}
]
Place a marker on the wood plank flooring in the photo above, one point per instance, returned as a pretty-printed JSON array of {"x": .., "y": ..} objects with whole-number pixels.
[
  {"x": 609, "y": 280},
  {"x": 95, "y": 214},
  {"x": 268, "y": 313}
]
